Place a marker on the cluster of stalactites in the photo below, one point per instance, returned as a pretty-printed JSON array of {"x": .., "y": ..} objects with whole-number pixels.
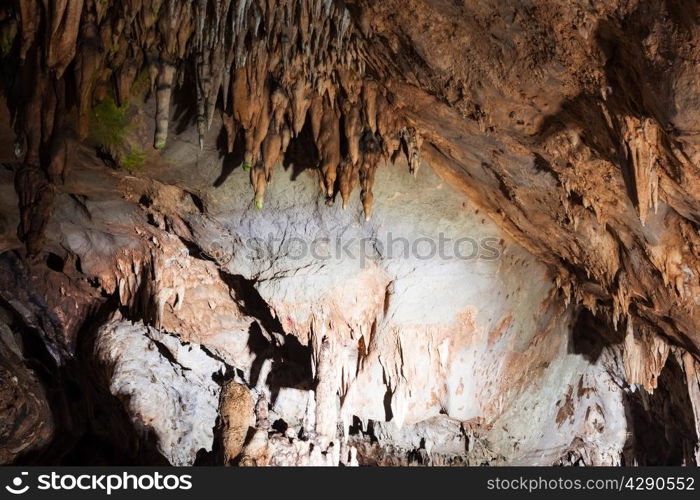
[
  {"x": 286, "y": 41},
  {"x": 105, "y": 45},
  {"x": 267, "y": 65},
  {"x": 353, "y": 130},
  {"x": 277, "y": 66}
]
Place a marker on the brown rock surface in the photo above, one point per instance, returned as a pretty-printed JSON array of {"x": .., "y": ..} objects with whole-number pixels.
[{"x": 236, "y": 413}]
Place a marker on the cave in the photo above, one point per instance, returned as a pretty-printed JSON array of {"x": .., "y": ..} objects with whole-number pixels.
[{"x": 349, "y": 233}]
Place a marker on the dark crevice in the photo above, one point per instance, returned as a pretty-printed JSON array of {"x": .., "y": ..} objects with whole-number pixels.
[
  {"x": 661, "y": 424},
  {"x": 54, "y": 262},
  {"x": 591, "y": 334},
  {"x": 92, "y": 425}
]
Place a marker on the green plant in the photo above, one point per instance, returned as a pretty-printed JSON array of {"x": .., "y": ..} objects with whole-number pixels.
[
  {"x": 141, "y": 84},
  {"x": 133, "y": 161},
  {"x": 108, "y": 124}
]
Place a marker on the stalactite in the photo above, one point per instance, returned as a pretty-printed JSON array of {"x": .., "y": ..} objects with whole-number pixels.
[
  {"x": 347, "y": 180},
  {"x": 642, "y": 141},
  {"x": 644, "y": 356},
  {"x": 63, "y": 34},
  {"x": 301, "y": 101},
  {"x": 274, "y": 64},
  {"x": 231, "y": 127},
  {"x": 329, "y": 147},
  {"x": 369, "y": 96},
  {"x": 258, "y": 178},
  {"x": 388, "y": 127},
  {"x": 353, "y": 131},
  {"x": 371, "y": 151},
  {"x": 87, "y": 68},
  {"x": 35, "y": 194},
  {"x": 256, "y": 135},
  {"x": 63, "y": 145},
  {"x": 411, "y": 141},
  {"x": 240, "y": 92},
  {"x": 271, "y": 151},
  {"x": 691, "y": 368},
  {"x": 29, "y": 14},
  {"x": 316, "y": 115},
  {"x": 166, "y": 74}
]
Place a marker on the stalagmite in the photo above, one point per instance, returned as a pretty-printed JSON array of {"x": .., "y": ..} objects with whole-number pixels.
[
  {"x": 326, "y": 393},
  {"x": 256, "y": 452},
  {"x": 236, "y": 410}
]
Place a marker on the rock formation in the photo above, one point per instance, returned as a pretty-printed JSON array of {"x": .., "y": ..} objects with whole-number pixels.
[
  {"x": 323, "y": 232},
  {"x": 236, "y": 411}
]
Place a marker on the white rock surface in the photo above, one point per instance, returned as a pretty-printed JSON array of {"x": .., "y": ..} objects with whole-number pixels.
[
  {"x": 165, "y": 384},
  {"x": 420, "y": 346}
]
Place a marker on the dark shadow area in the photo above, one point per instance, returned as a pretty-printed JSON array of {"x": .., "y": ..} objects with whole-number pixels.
[
  {"x": 419, "y": 456},
  {"x": 231, "y": 161},
  {"x": 262, "y": 348},
  {"x": 591, "y": 334},
  {"x": 356, "y": 429},
  {"x": 291, "y": 365},
  {"x": 91, "y": 425},
  {"x": 388, "y": 413},
  {"x": 184, "y": 104},
  {"x": 301, "y": 153},
  {"x": 55, "y": 262},
  {"x": 280, "y": 426},
  {"x": 661, "y": 424},
  {"x": 250, "y": 301}
]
